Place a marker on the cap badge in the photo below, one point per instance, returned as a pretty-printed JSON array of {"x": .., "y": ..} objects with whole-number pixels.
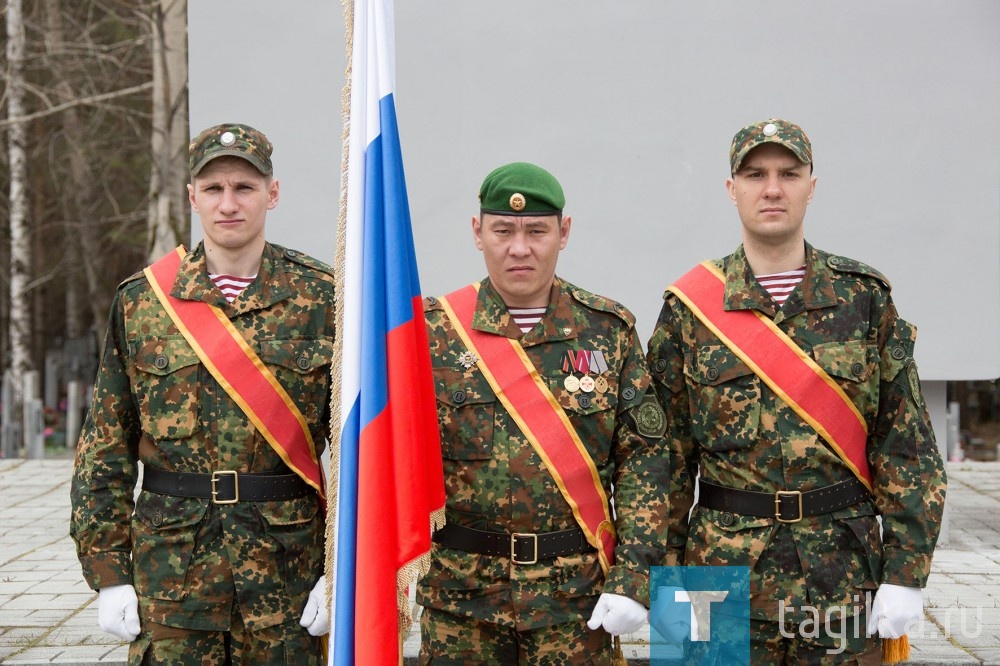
[
  {"x": 227, "y": 139},
  {"x": 468, "y": 359},
  {"x": 770, "y": 129},
  {"x": 517, "y": 202}
]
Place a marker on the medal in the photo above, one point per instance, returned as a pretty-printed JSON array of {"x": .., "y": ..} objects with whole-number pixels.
[
  {"x": 571, "y": 383},
  {"x": 587, "y": 383},
  {"x": 601, "y": 384},
  {"x": 468, "y": 359}
]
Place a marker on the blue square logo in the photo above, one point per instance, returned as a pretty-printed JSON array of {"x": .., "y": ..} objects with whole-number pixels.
[{"x": 699, "y": 615}]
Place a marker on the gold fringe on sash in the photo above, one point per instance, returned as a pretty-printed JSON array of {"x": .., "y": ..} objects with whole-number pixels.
[{"x": 895, "y": 650}]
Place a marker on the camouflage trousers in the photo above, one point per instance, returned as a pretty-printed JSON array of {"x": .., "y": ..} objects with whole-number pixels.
[
  {"x": 453, "y": 640},
  {"x": 279, "y": 645},
  {"x": 771, "y": 643}
]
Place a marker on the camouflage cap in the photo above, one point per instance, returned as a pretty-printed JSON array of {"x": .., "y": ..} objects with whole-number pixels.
[
  {"x": 233, "y": 140},
  {"x": 773, "y": 130},
  {"x": 520, "y": 188}
]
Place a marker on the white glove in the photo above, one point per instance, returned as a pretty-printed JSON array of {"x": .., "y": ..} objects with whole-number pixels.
[
  {"x": 895, "y": 610},
  {"x": 316, "y": 616},
  {"x": 617, "y": 614},
  {"x": 118, "y": 611},
  {"x": 674, "y": 621}
]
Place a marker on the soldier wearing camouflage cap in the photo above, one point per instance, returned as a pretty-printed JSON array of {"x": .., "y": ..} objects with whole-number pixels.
[
  {"x": 791, "y": 489},
  {"x": 220, "y": 558},
  {"x": 515, "y": 576}
]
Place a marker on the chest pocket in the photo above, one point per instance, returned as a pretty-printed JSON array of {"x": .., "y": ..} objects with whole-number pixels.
[
  {"x": 725, "y": 398},
  {"x": 466, "y": 408},
  {"x": 167, "y": 387},
  {"x": 855, "y": 366},
  {"x": 302, "y": 367}
]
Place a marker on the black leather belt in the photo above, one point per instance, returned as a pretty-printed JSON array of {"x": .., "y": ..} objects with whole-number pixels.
[
  {"x": 520, "y": 547},
  {"x": 785, "y": 506},
  {"x": 225, "y": 487}
]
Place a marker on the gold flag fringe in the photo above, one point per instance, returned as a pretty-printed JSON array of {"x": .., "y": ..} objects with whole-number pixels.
[{"x": 338, "y": 270}]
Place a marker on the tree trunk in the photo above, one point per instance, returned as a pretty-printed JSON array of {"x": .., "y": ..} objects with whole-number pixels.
[
  {"x": 20, "y": 246},
  {"x": 169, "y": 220}
]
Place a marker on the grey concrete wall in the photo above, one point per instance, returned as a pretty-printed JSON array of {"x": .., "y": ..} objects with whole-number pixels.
[{"x": 632, "y": 105}]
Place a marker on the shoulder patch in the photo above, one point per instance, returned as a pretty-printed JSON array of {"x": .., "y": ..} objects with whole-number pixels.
[
  {"x": 855, "y": 267},
  {"x": 596, "y": 302}
]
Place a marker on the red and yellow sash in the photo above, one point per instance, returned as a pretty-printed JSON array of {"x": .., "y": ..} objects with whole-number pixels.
[
  {"x": 781, "y": 364},
  {"x": 529, "y": 401},
  {"x": 240, "y": 372}
]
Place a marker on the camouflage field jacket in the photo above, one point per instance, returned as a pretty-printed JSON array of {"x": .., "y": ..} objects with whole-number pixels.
[
  {"x": 190, "y": 560},
  {"x": 496, "y": 481},
  {"x": 728, "y": 424}
]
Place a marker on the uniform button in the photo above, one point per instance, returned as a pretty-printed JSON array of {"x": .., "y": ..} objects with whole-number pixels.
[
  {"x": 303, "y": 362},
  {"x": 833, "y": 261},
  {"x": 898, "y": 353},
  {"x": 660, "y": 365},
  {"x": 712, "y": 373},
  {"x": 291, "y": 254},
  {"x": 727, "y": 518},
  {"x": 160, "y": 362},
  {"x": 857, "y": 369},
  {"x": 157, "y": 519},
  {"x": 628, "y": 393},
  {"x": 584, "y": 401},
  {"x": 458, "y": 397}
]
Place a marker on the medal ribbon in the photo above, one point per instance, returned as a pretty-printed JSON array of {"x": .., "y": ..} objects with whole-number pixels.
[
  {"x": 781, "y": 364},
  {"x": 528, "y": 400},
  {"x": 225, "y": 353}
]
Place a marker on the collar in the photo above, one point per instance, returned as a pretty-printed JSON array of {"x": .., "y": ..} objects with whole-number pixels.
[
  {"x": 270, "y": 287},
  {"x": 560, "y": 321},
  {"x": 743, "y": 292}
]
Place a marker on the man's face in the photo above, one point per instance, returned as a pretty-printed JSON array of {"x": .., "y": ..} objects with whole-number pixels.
[
  {"x": 772, "y": 190},
  {"x": 232, "y": 199},
  {"x": 521, "y": 254}
]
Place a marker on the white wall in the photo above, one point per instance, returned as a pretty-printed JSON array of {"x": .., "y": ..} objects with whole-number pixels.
[{"x": 633, "y": 105}]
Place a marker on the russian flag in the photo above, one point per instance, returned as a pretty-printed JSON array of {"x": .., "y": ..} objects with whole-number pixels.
[{"x": 387, "y": 464}]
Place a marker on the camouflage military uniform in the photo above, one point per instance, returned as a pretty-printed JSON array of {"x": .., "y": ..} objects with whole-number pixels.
[
  {"x": 723, "y": 420},
  {"x": 496, "y": 481},
  {"x": 196, "y": 564}
]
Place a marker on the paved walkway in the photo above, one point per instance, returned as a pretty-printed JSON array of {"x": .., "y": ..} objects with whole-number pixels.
[{"x": 48, "y": 615}]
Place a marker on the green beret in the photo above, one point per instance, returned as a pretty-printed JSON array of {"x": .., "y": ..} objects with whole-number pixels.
[
  {"x": 521, "y": 189},
  {"x": 232, "y": 140},
  {"x": 773, "y": 130}
]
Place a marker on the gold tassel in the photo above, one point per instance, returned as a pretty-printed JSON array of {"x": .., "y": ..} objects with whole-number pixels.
[
  {"x": 895, "y": 650},
  {"x": 618, "y": 658}
]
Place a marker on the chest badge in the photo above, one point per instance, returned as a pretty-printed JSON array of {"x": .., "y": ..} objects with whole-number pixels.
[{"x": 468, "y": 359}]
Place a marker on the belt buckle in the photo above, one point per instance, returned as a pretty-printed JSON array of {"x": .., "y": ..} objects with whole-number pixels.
[
  {"x": 236, "y": 486},
  {"x": 513, "y": 548},
  {"x": 777, "y": 505}
]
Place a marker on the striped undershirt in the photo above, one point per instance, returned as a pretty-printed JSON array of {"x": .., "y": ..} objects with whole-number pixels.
[
  {"x": 230, "y": 285},
  {"x": 780, "y": 285},
  {"x": 526, "y": 318}
]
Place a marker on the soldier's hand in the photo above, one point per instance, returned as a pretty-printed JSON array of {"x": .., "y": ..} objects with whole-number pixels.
[
  {"x": 670, "y": 616},
  {"x": 617, "y": 614},
  {"x": 895, "y": 609},
  {"x": 118, "y": 611},
  {"x": 316, "y": 616}
]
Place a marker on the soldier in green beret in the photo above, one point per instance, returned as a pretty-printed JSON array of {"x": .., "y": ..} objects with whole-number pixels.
[
  {"x": 790, "y": 387},
  {"x": 546, "y": 414},
  {"x": 220, "y": 558}
]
